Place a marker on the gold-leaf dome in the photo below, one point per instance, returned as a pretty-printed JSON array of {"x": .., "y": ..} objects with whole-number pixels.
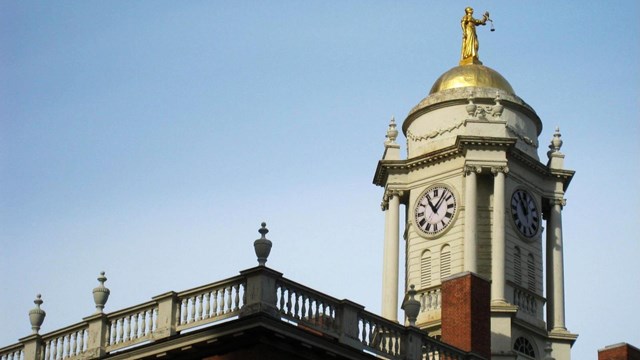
[{"x": 472, "y": 75}]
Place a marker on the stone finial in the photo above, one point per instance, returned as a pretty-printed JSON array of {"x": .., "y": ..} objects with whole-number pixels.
[
  {"x": 101, "y": 293},
  {"x": 36, "y": 315},
  {"x": 262, "y": 246},
  {"x": 471, "y": 107},
  {"x": 392, "y": 132},
  {"x": 411, "y": 306},
  {"x": 556, "y": 142},
  {"x": 497, "y": 109}
]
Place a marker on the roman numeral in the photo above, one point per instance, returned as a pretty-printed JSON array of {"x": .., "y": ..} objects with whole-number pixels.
[
  {"x": 422, "y": 222},
  {"x": 448, "y": 215}
]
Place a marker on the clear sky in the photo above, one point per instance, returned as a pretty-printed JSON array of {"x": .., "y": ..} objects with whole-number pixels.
[{"x": 149, "y": 139}]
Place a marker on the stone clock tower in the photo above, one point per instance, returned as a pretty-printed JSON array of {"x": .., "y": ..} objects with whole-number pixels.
[{"x": 478, "y": 199}]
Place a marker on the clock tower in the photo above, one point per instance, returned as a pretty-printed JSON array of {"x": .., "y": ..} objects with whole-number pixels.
[{"x": 478, "y": 199}]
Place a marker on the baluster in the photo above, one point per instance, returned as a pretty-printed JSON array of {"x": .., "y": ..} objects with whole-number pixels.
[
  {"x": 237, "y": 297},
  {"x": 65, "y": 344},
  {"x": 303, "y": 312},
  {"x": 47, "y": 350},
  {"x": 127, "y": 326},
  {"x": 281, "y": 291},
  {"x": 143, "y": 323},
  {"x": 207, "y": 303},
  {"x": 112, "y": 331},
  {"x": 60, "y": 347},
  {"x": 81, "y": 340},
  {"x": 215, "y": 303},
  {"x": 227, "y": 303},
  {"x": 296, "y": 305},
  {"x": 198, "y": 310},
  {"x": 184, "y": 307},
  {"x": 73, "y": 343},
  {"x": 152, "y": 313}
]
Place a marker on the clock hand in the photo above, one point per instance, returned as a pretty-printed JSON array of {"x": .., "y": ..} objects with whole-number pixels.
[
  {"x": 440, "y": 201},
  {"x": 433, "y": 208},
  {"x": 525, "y": 211}
]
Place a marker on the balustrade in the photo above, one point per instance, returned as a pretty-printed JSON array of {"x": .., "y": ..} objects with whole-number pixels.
[
  {"x": 131, "y": 326},
  {"x": 527, "y": 301},
  {"x": 211, "y": 302},
  {"x": 66, "y": 343},
  {"x": 172, "y": 313},
  {"x": 430, "y": 299},
  {"x": 13, "y": 352},
  {"x": 301, "y": 304},
  {"x": 380, "y": 335}
]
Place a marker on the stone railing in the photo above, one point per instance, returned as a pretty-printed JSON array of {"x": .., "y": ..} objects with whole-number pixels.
[
  {"x": 259, "y": 290},
  {"x": 527, "y": 301},
  {"x": 430, "y": 298}
]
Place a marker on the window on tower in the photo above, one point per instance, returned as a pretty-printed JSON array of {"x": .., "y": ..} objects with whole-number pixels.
[
  {"x": 523, "y": 346},
  {"x": 425, "y": 269},
  {"x": 531, "y": 273},
  {"x": 517, "y": 266},
  {"x": 445, "y": 262}
]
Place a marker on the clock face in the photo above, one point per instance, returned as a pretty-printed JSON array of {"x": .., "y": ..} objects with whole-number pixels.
[
  {"x": 435, "y": 209},
  {"x": 525, "y": 213}
]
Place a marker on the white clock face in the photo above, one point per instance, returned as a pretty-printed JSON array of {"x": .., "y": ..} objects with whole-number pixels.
[
  {"x": 525, "y": 213},
  {"x": 435, "y": 209}
]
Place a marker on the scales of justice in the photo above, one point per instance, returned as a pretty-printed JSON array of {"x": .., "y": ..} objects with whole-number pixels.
[{"x": 468, "y": 23}]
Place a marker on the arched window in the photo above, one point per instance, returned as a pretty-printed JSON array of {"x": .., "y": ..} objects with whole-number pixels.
[
  {"x": 445, "y": 262},
  {"x": 425, "y": 269},
  {"x": 517, "y": 266},
  {"x": 531, "y": 273},
  {"x": 523, "y": 346}
]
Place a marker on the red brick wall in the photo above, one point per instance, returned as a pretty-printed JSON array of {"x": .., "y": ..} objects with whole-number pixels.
[
  {"x": 619, "y": 352},
  {"x": 466, "y": 313}
]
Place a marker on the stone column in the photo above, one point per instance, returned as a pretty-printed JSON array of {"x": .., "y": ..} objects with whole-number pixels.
[
  {"x": 471, "y": 219},
  {"x": 555, "y": 268},
  {"x": 391, "y": 205},
  {"x": 497, "y": 236}
]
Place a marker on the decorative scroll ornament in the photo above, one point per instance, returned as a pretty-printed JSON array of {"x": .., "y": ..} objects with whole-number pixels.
[
  {"x": 468, "y": 169},
  {"x": 500, "y": 169},
  {"x": 480, "y": 112},
  {"x": 562, "y": 202},
  {"x": 524, "y": 138},
  {"x": 411, "y": 136},
  {"x": 384, "y": 205}
]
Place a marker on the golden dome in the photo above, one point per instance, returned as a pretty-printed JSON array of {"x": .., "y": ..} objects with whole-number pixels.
[{"x": 471, "y": 75}]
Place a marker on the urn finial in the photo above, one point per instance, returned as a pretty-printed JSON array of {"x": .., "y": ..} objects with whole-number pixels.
[
  {"x": 262, "y": 246},
  {"x": 392, "y": 132},
  {"x": 411, "y": 306},
  {"x": 101, "y": 293},
  {"x": 36, "y": 315}
]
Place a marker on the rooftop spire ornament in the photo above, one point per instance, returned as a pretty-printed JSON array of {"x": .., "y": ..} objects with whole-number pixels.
[{"x": 468, "y": 23}]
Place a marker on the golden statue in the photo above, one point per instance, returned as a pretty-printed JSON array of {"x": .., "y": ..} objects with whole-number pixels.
[{"x": 469, "y": 37}]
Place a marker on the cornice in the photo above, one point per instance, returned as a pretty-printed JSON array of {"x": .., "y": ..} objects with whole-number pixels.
[{"x": 385, "y": 167}]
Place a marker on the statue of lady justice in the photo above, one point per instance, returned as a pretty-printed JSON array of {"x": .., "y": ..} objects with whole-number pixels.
[{"x": 469, "y": 37}]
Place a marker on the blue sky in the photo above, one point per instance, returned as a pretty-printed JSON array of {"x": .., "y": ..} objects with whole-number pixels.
[{"x": 149, "y": 139}]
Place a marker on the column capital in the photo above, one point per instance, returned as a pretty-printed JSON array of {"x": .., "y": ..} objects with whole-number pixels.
[
  {"x": 388, "y": 194},
  {"x": 495, "y": 170},
  {"x": 469, "y": 169},
  {"x": 561, "y": 201}
]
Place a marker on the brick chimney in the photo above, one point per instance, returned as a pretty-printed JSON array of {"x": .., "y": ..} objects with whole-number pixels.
[
  {"x": 466, "y": 313},
  {"x": 621, "y": 351}
]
